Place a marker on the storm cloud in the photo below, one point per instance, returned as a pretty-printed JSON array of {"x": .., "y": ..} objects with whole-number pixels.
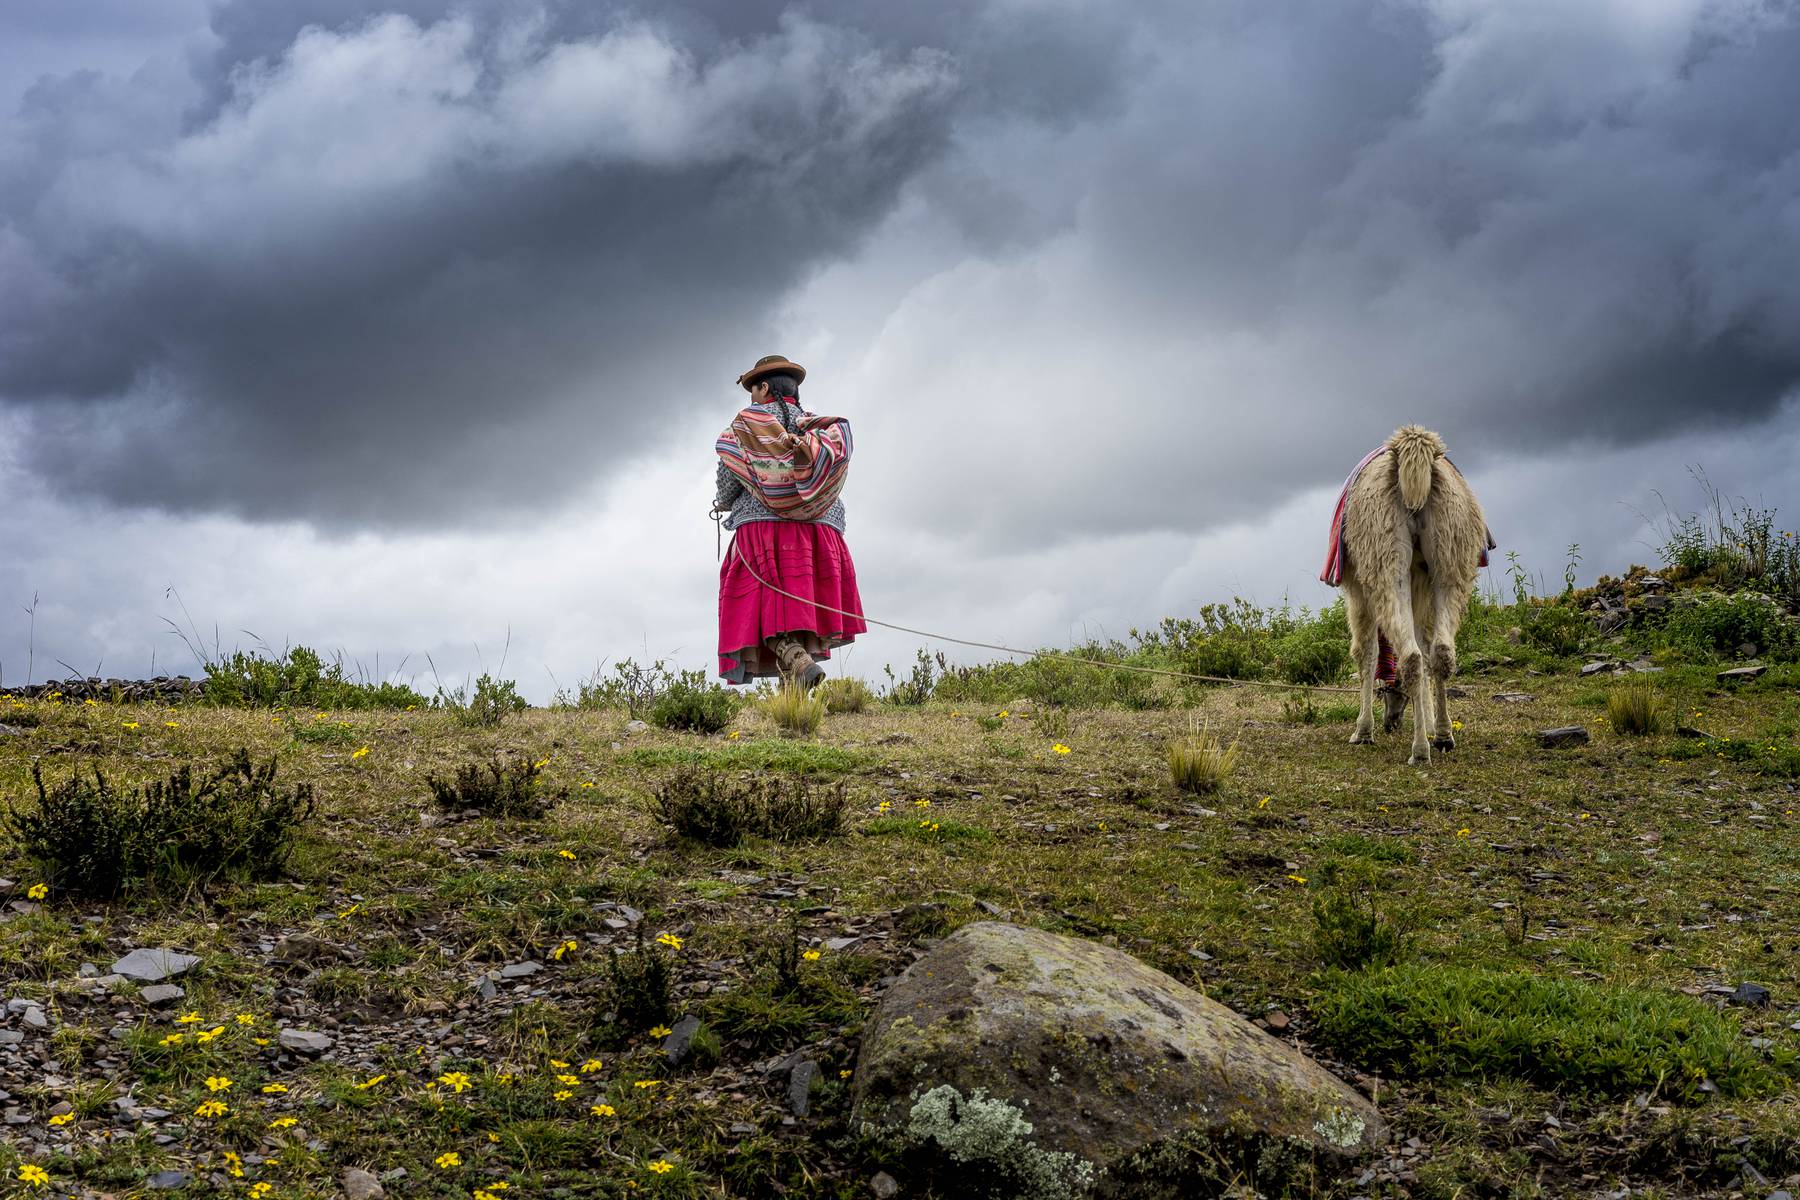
[{"x": 1095, "y": 281}]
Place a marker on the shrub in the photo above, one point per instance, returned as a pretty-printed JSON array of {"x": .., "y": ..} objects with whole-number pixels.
[
  {"x": 1556, "y": 629},
  {"x": 846, "y": 695},
  {"x": 1313, "y": 654},
  {"x": 186, "y": 830},
  {"x": 1637, "y": 709},
  {"x": 1350, "y": 931},
  {"x": 630, "y": 687},
  {"x": 691, "y": 702},
  {"x": 1709, "y": 625},
  {"x": 794, "y": 711},
  {"x": 785, "y": 998},
  {"x": 1200, "y": 762},
  {"x": 918, "y": 686},
  {"x": 641, "y": 980},
  {"x": 497, "y": 789},
  {"x": 714, "y": 808},
  {"x": 297, "y": 678},
  {"x": 1438, "y": 1021},
  {"x": 490, "y": 703}
]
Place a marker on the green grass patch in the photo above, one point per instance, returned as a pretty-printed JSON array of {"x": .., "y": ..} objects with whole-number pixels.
[
  {"x": 1763, "y": 754},
  {"x": 1443, "y": 1022},
  {"x": 926, "y": 829}
]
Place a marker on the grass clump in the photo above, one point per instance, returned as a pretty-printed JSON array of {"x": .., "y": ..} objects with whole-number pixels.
[
  {"x": 1637, "y": 709},
  {"x": 642, "y": 983},
  {"x": 1441, "y": 1021},
  {"x": 1201, "y": 762},
  {"x": 690, "y": 702},
  {"x": 185, "y": 830},
  {"x": 497, "y": 789},
  {"x": 722, "y": 810},
  {"x": 795, "y": 712},
  {"x": 846, "y": 695}
]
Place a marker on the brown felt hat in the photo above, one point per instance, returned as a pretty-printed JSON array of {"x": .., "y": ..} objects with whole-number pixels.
[{"x": 771, "y": 364}]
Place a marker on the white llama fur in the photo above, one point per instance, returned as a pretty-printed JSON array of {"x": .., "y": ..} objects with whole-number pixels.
[{"x": 1413, "y": 538}]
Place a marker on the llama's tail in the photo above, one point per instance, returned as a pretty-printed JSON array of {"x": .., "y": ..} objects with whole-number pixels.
[{"x": 1416, "y": 450}]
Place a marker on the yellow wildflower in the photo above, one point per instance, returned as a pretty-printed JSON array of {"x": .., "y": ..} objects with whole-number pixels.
[
  {"x": 558, "y": 1063},
  {"x": 218, "y": 1083},
  {"x": 174, "y": 1039},
  {"x": 38, "y": 891},
  {"x": 669, "y": 940},
  {"x": 568, "y": 854},
  {"x": 207, "y": 1035},
  {"x": 660, "y": 1031},
  {"x": 1059, "y": 748},
  {"x": 603, "y": 1110},
  {"x": 448, "y": 1159},
  {"x": 647, "y": 1083},
  {"x": 62, "y": 1118},
  {"x": 129, "y": 724},
  {"x": 563, "y": 949},
  {"x": 810, "y": 956},
  {"x": 34, "y": 1175},
  {"x": 211, "y": 1108},
  {"x": 259, "y": 1190},
  {"x": 456, "y": 1081},
  {"x": 662, "y": 1166},
  {"x": 567, "y": 1080},
  {"x": 284, "y": 1122},
  {"x": 172, "y": 724},
  {"x": 1464, "y": 832},
  {"x": 246, "y": 1019},
  {"x": 360, "y": 753},
  {"x": 884, "y": 806},
  {"x": 564, "y": 1094},
  {"x": 921, "y": 804},
  {"x": 844, "y": 1074},
  {"x": 366, "y": 1084},
  {"x": 274, "y": 1089},
  {"x": 1298, "y": 878},
  {"x": 192, "y": 1018},
  {"x": 591, "y": 1065}
]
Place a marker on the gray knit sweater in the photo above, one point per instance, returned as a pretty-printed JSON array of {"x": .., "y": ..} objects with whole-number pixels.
[{"x": 743, "y": 504}]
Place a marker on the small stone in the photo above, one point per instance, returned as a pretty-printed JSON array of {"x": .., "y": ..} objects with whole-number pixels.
[
  {"x": 304, "y": 1041},
  {"x": 486, "y": 988},
  {"x": 62, "y": 1108},
  {"x": 154, "y": 966},
  {"x": 1751, "y": 995},
  {"x": 1595, "y": 668},
  {"x": 1515, "y": 697},
  {"x": 884, "y": 1186},
  {"x": 1566, "y": 735},
  {"x": 636, "y": 726},
  {"x": 680, "y": 1042},
  {"x": 1277, "y": 1020},
  {"x": 841, "y": 943},
  {"x": 168, "y": 1180},
  {"x": 360, "y": 1185},
  {"x": 520, "y": 970},
  {"x": 1741, "y": 674},
  {"x": 800, "y": 1085},
  {"x": 630, "y": 914},
  {"x": 34, "y": 1018},
  {"x": 159, "y": 994},
  {"x": 88, "y": 971}
]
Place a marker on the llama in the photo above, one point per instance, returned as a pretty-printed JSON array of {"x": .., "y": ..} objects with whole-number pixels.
[{"x": 1413, "y": 537}]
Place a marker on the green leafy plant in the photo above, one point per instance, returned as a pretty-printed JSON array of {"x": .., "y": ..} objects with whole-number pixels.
[
  {"x": 691, "y": 702},
  {"x": 641, "y": 985},
  {"x": 497, "y": 789},
  {"x": 296, "y": 678},
  {"x": 487, "y": 704},
  {"x": 1556, "y": 628},
  {"x": 186, "y": 829},
  {"x": 1350, "y": 929}
]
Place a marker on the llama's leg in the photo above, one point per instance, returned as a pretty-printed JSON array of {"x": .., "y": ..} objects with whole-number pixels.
[
  {"x": 1365, "y": 651},
  {"x": 1449, "y": 600},
  {"x": 1395, "y": 615},
  {"x": 1424, "y": 683}
]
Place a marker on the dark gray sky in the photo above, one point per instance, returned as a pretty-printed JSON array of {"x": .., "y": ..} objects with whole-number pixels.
[{"x": 320, "y": 297}]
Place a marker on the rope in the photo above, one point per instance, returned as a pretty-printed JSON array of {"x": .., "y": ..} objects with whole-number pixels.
[{"x": 1090, "y": 662}]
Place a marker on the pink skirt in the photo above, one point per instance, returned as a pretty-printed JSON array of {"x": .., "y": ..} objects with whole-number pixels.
[{"x": 803, "y": 557}]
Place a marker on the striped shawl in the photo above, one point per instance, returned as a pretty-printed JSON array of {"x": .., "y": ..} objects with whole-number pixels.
[{"x": 797, "y": 474}]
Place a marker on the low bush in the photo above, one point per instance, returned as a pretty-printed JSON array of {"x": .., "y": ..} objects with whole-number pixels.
[
  {"x": 297, "y": 678},
  {"x": 693, "y": 703},
  {"x": 1201, "y": 762},
  {"x": 188, "y": 829},
  {"x": 1444, "y": 1022},
  {"x": 1350, "y": 929},
  {"x": 631, "y": 687},
  {"x": 1708, "y": 625},
  {"x": 497, "y": 789},
  {"x": 795, "y": 711},
  {"x": 1637, "y": 709},
  {"x": 1556, "y": 629},
  {"x": 488, "y": 703},
  {"x": 720, "y": 810},
  {"x": 641, "y": 985}
]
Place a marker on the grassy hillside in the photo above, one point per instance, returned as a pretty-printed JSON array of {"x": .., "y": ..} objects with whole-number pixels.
[{"x": 1639, "y": 880}]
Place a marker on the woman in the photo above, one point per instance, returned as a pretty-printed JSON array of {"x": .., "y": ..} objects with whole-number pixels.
[{"x": 787, "y": 588}]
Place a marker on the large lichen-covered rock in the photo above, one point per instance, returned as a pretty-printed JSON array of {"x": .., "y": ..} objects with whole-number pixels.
[{"x": 1064, "y": 1058}]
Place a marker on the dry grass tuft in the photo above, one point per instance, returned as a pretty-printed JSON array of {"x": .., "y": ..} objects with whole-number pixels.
[
  {"x": 1637, "y": 709},
  {"x": 795, "y": 712},
  {"x": 1201, "y": 762}
]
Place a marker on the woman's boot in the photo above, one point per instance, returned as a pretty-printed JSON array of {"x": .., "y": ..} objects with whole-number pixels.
[{"x": 795, "y": 663}]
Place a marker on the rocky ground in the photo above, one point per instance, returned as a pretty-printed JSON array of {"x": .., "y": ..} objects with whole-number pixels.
[{"x": 422, "y": 1004}]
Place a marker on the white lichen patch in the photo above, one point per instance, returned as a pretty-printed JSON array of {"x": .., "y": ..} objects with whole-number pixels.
[
  {"x": 1340, "y": 1127},
  {"x": 977, "y": 1129}
]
